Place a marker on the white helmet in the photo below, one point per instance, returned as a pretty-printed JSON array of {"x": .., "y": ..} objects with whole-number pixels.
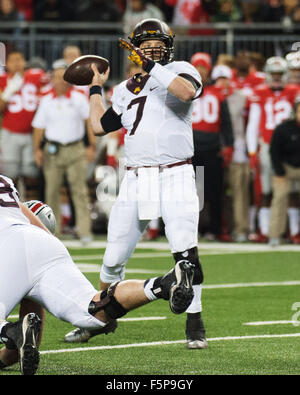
[
  {"x": 44, "y": 213},
  {"x": 293, "y": 60},
  {"x": 276, "y": 64}
]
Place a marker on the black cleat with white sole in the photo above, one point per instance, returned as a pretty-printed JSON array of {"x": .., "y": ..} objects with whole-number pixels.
[
  {"x": 177, "y": 286},
  {"x": 22, "y": 336}
]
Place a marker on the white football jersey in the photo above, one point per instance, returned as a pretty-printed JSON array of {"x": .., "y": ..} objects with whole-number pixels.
[
  {"x": 158, "y": 124},
  {"x": 10, "y": 211}
]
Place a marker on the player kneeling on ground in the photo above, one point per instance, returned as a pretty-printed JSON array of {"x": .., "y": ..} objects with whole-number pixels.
[{"x": 38, "y": 266}]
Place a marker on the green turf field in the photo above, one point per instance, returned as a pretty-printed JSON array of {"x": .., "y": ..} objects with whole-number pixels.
[{"x": 247, "y": 300}]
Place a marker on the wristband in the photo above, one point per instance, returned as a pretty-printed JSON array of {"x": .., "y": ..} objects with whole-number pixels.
[
  {"x": 96, "y": 90},
  {"x": 162, "y": 75}
]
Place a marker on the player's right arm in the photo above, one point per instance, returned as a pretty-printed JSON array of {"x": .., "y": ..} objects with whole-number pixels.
[
  {"x": 12, "y": 86},
  {"x": 252, "y": 131},
  {"x": 97, "y": 109}
]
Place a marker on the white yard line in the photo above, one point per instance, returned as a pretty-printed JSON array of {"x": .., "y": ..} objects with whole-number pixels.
[
  {"x": 13, "y": 316},
  {"x": 94, "y": 268},
  {"x": 261, "y": 323},
  {"x": 165, "y": 343},
  {"x": 214, "y": 246},
  {"x": 246, "y": 285}
]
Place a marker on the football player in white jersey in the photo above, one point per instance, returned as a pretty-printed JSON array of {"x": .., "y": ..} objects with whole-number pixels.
[
  {"x": 155, "y": 107},
  {"x": 36, "y": 264}
]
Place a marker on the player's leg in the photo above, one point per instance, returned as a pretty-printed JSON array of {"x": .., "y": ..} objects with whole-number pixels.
[
  {"x": 294, "y": 213},
  {"x": 15, "y": 282},
  {"x": 180, "y": 213},
  {"x": 77, "y": 180},
  {"x": 124, "y": 232},
  {"x": 266, "y": 174},
  {"x": 29, "y": 170},
  {"x": 121, "y": 297},
  {"x": 10, "y": 357},
  {"x": 11, "y": 155},
  {"x": 67, "y": 294},
  {"x": 53, "y": 171}
]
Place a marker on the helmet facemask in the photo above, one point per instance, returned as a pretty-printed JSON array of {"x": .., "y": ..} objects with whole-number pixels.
[{"x": 158, "y": 52}]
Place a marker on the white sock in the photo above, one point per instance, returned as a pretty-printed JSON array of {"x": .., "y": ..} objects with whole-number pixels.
[
  {"x": 148, "y": 289},
  {"x": 294, "y": 217},
  {"x": 264, "y": 220},
  {"x": 196, "y": 305}
]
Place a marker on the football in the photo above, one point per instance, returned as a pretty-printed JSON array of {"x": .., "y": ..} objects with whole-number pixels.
[{"x": 79, "y": 72}]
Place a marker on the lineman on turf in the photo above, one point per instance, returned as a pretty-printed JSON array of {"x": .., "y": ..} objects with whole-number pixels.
[
  {"x": 38, "y": 266},
  {"x": 155, "y": 107}
]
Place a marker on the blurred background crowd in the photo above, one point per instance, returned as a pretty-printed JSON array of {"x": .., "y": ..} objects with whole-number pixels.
[
  {"x": 247, "y": 95},
  {"x": 179, "y": 12}
]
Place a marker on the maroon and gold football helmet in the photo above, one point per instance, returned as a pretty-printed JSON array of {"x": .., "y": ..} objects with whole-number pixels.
[{"x": 154, "y": 29}]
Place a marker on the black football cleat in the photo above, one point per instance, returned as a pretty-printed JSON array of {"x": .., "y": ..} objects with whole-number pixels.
[
  {"x": 177, "y": 286},
  {"x": 22, "y": 336},
  {"x": 195, "y": 332},
  {"x": 79, "y": 335}
]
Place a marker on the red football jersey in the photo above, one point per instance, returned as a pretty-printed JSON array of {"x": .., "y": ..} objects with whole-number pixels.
[
  {"x": 247, "y": 84},
  {"x": 207, "y": 110},
  {"x": 273, "y": 107},
  {"x": 20, "y": 110}
]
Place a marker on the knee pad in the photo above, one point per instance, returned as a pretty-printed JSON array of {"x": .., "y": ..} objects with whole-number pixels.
[
  {"x": 191, "y": 255},
  {"x": 108, "y": 304}
]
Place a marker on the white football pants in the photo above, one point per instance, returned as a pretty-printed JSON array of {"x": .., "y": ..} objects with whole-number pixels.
[
  {"x": 179, "y": 207},
  {"x": 36, "y": 265}
]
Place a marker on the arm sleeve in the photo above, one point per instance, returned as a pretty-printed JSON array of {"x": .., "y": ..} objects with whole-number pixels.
[
  {"x": 275, "y": 152},
  {"x": 226, "y": 125},
  {"x": 111, "y": 121},
  {"x": 187, "y": 71},
  {"x": 196, "y": 84},
  {"x": 252, "y": 130}
]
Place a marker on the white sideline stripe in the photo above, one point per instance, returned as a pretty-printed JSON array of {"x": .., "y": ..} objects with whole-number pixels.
[
  {"x": 165, "y": 343},
  {"x": 258, "y": 323}
]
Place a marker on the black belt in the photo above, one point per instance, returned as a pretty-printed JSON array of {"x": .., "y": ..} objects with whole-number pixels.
[
  {"x": 161, "y": 167},
  {"x": 61, "y": 144}
]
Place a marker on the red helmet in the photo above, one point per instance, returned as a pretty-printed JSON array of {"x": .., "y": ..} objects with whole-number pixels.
[{"x": 154, "y": 29}]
